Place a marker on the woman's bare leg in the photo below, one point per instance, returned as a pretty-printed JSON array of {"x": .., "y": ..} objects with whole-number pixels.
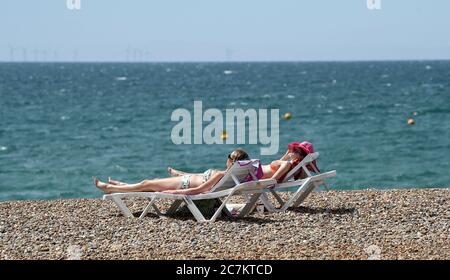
[
  {"x": 115, "y": 182},
  {"x": 155, "y": 185},
  {"x": 175, "y": 173},
  {"x": 119, "y": 183}
]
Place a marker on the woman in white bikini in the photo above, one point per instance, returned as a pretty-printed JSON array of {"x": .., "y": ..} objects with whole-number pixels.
[{"x": 180, "y": 183}]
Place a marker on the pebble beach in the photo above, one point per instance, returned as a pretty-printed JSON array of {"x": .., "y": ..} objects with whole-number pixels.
[{"x": 362, "y": 224}]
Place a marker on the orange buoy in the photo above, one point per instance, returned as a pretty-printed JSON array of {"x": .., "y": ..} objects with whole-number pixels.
[
  {"x": 224, "y": 135},
  {"x": 287, "y": 116}
]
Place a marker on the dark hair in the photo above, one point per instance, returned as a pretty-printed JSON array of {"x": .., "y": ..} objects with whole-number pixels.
[
  {"x": 240, "y": 154},
  {"x": 300, "y": 151}
]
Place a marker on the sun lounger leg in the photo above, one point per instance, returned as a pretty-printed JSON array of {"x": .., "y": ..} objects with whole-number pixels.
[
  {"x": 301, "y": 194},
  {"x": 269, "y": 206},
  {"x": 150, "y": 204},
  {"x": 126, "y": 212},
  {"x": 173, "y": 208},
  {"x": 250, "y": 205},
  {"x": 277, "y": 197},
  {"x": 194, "y": 210},
  {"x": 305, "y": 194},
  {"x": 157, "y": 209},
  {"x": 220, "y": 209},
  {"x": 225, "y": 209}
]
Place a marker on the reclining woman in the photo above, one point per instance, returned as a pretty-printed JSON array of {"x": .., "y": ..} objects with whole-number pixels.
[
  {"x": 296, "y": 152},
  {"x": 187, "y": 183}
]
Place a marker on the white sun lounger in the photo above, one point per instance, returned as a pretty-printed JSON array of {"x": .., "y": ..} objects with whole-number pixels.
[
  {"x": 234, "y": 182},
  {"x": 304, "y": 186}
]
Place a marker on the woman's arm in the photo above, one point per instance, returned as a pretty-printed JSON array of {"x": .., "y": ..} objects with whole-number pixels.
[
  {"x": 285, "y": 156},
  {"x": 202, "y": 188},
  {"x": 284, "y": 168}
]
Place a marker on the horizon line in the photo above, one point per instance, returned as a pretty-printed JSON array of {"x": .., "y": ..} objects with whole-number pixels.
[{"x": 224, "y": 61}]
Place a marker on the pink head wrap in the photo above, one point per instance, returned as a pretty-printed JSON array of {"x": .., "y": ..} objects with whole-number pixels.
[{"x": 308, "y": 148}]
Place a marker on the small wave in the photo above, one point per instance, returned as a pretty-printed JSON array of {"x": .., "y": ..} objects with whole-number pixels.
[
  {"x": 121, "y": 78},
  {"x": 266, "y": 96},
  {"x": 229, "y": 72},
  {"x": 232, "y": 103},
  {"x": 120, "y": 168},
  {"x": 290, "y": 96},
  {"x": 110, "y": 128},
  {"x": 3, "y": 148},
  {"x": 80, "y": 137},
  {"x": 65, "y": 118},
  {"x": 428, "y": 67},
  {"x": 432, "y": 86}
]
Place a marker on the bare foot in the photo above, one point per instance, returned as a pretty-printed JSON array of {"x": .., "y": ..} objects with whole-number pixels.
[
  {"x": 114, "y": 182},
  {"x": 101, "y": 185}
]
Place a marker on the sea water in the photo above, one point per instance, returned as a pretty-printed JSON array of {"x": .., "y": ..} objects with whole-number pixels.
[{"x": 62, "y": 123}]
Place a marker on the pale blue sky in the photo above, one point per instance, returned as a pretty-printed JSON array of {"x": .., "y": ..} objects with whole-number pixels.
[{"x": 203, "y": 30}]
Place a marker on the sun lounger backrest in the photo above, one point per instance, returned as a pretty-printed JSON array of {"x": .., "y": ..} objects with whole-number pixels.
[
  {"x": 307, "y": 160},
  {"x": 240, "y": 171}
]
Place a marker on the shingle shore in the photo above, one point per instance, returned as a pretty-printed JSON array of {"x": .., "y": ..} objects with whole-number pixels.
[{"x": 375, "y": 224}]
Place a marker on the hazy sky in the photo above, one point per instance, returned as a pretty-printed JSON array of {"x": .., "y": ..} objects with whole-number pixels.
[{"x": 221, "y": 30}]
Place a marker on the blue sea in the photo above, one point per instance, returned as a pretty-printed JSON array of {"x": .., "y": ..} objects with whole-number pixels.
[{"x": 62, "y": 123}]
